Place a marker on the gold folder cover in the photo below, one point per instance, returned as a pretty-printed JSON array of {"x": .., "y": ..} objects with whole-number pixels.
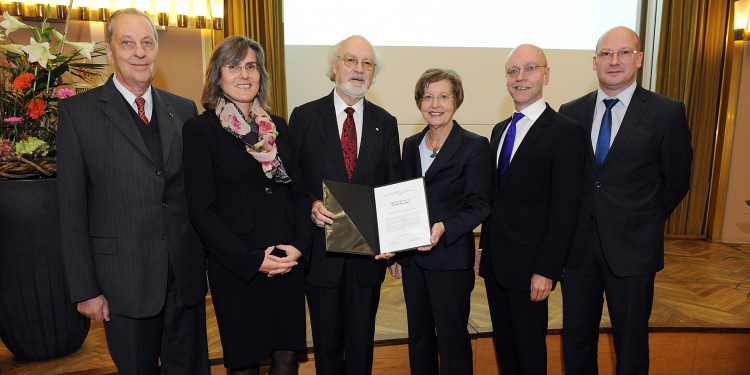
[{"x": 344, "y": 236}]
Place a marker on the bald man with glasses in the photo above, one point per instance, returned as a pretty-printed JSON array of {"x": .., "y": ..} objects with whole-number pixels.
[{"x": 637, "y": 170}]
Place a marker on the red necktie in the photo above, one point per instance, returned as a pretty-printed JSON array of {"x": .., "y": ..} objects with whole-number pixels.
[
  {"x": 349, "y": 143},
  {"x": 141, "y": 103}
]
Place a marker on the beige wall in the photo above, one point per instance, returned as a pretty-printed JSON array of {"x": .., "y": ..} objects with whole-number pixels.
[
  {"x": 482, "y": 71},
  {"x": 736, "y": 227}
]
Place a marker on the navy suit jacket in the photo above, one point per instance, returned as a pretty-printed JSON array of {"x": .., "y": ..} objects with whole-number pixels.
[
  {"x": 458, "y": 193},
  {"x": 645, "y": 175},
  {"x": 534, "y": 209},
  {"x": 124, "y": 218},
  {"x": 317, "y": 145}
]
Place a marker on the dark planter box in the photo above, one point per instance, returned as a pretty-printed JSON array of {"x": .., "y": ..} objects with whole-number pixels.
[{"x": 37, "y": 320}]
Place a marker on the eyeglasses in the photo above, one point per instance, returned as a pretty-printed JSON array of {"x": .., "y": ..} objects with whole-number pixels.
[
  {"x": 608, "y": 55},
  {"x": 442, "y": 98},
  {"x": 237, "y": 68},
  {"x": 529, "y": 70},
  {"x": 351, "y": 62}
]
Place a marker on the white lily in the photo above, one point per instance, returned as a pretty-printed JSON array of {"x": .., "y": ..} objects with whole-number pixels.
[
  {"x": 11, "y": 24},
  {"x": 84, "y": 48},
  {"x": 15, "y": 48},
  {"x": 57, "y": 35},
  {"x": 38, "y": 52}
]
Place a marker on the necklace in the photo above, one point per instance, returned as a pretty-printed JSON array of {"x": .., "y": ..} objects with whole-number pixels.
[{"x": 439, "y": 145}]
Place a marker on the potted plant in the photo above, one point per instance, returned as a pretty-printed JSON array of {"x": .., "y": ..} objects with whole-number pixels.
[
  {"x": 37, "y": 320},
  {"x": 32, "y": 81}
]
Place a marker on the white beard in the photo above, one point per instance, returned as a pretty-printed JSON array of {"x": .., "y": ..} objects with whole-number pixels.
[{"x": 353, "y": 90}]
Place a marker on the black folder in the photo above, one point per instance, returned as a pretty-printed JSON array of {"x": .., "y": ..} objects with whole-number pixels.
[{"x": 355, "y": 225}]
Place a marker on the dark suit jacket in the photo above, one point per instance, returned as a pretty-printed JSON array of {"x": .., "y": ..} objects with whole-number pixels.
[
  {"x": 458, "y": 193},
  {"x": 535, "y": 208},
  {"x": 318, "y": 147},
  {"x": 644, "y": 176},
  {"x": 124, "y": 218},
  {"x": 235, "y": 208}
]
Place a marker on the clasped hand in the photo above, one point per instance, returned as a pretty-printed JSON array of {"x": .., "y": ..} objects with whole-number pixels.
[{"x": 274, "y": 265}]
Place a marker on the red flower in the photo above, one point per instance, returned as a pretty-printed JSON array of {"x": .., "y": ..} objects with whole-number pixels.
[
  {"x": 23, "y": 81},
  {"x": 36, "y": 108}
]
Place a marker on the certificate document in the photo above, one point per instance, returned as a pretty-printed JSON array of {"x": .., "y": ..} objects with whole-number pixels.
[{"x": 370, "y": 221}]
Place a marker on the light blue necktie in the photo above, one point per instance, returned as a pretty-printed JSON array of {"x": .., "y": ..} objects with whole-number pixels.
[
  {"x": 506, "y": 151},
  {"x": 605, "y": 132}
]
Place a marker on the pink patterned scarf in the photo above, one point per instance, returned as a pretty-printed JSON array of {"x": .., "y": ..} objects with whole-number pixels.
[{"x": 259, "y": 134}]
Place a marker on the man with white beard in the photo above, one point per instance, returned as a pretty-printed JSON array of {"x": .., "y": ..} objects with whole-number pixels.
[{"x": 343, "y": 137}]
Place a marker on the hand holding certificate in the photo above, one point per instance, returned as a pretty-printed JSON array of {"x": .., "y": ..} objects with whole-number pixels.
[{"x": 371, "y": 221}]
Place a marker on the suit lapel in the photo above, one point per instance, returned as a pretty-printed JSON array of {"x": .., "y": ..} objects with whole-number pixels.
[
  {"x": 495, "y": 141},
  {"x": 588, "y": 109},
  {"x": 635, "y": 110},
  {"x": 497, "y": 133},
  {"x": 371, "y": 134},
  {"x": 166, "y": 126},
  {"x": 414, "y": 148},
  {"x": 115, "y": 110},
  {"x": 329, "y": 134},
  {"x": 450, "y": 146},
  {"x": 527, "y": 143}
]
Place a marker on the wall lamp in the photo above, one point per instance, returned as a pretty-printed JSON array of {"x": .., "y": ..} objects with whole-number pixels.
[
  {"x": 741, "y": 17},
  {"x": 180, "y": 13}
]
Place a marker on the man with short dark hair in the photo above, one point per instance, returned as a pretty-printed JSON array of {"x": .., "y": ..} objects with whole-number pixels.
[{"x": 131, "y": 256}]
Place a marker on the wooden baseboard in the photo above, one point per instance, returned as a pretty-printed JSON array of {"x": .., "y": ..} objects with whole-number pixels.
[{"x": 672, "y": 353}]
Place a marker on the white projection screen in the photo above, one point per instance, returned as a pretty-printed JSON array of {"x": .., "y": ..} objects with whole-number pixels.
[{"x": 472, "y": 37}]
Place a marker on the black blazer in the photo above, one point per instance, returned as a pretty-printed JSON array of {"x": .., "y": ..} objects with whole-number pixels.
[
  {"x": 645, "y": 175},
  {"x": 535, "y": 208},
  {"x": 458, "y": 193},
  {"x": 236, "y": 209},
  {"x": 124, "y": 219},
  {"x": 318, "y": 148}
]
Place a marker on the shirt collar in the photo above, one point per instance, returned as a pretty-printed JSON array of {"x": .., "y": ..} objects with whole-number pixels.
[
  {"x": 533, "y": 111},
  {"x": 129, "y": 96},
  {"x": 625, "y": 96},
  {"x": 340, "y": 105}
]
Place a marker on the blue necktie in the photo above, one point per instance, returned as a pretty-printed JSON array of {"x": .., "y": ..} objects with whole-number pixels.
[
  {"x": 506, "y": 151},
  {"x": 605, "y": 132}
]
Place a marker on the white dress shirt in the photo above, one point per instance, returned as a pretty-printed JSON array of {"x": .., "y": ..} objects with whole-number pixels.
[
  {"x": 130, "y": 97},
  {"x": 530, "y": 115},
  {"x": 618, "y": 112},
  {"x": 340, "y": 106}
]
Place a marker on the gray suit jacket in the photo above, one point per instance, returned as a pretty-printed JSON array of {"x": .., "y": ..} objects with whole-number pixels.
[{"x": 124, "y": 218}]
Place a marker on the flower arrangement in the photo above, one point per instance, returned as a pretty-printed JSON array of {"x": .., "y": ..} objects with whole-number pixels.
[{"x": 32, "y": 81}]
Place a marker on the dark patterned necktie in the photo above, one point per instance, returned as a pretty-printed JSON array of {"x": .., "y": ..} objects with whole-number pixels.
[
  {"x": 506, "y": 151},
  {"x": 349, "y": 143},
  {"x": 141, "y": 104},
  {"x": 605, "y": 132}
]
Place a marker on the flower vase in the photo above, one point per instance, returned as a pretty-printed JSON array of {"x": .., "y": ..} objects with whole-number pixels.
[{"x": 37, "y": 319}]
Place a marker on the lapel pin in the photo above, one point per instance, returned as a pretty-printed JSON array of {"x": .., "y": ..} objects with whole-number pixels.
[
  {"x": 377, "y": 129},
  {"x": 171, "y": 114}
]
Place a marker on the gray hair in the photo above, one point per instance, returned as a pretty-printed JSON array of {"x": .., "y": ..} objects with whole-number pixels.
[
  {"x": 132, "y": 11},
  {"x": 333, "y": 54}
]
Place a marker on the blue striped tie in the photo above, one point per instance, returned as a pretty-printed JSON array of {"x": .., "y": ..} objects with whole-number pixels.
[{"x": 605, "y": 132}]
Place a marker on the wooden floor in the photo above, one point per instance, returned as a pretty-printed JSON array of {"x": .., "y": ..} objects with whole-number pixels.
[{"x": 696, "y": 295}]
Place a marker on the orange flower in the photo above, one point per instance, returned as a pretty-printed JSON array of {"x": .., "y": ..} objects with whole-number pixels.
[
  {"x": 36, "y": 108},
  {"x": 23, "y": 81}
]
